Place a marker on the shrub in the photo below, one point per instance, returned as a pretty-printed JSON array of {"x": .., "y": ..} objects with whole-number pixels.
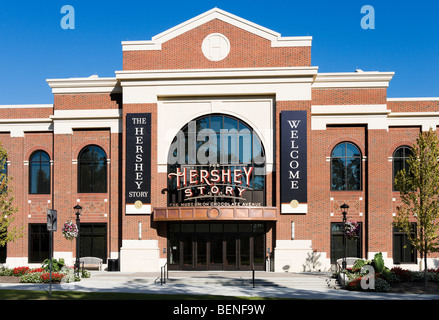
[
  {"x": 358, "y": 265},
  {"x": 57, "y": 265},
  {"x": 19, "y": 271},
  {"x": 6, "y": 271},
  {"x": 56, "y": 277},
  {"x": 381, "y": 285},
  {"x": 32, "y": 277},
  {"x": 85, "y": 274},
  {"x": 354, "y": 285},
  {"x": 402, "y": 274}
]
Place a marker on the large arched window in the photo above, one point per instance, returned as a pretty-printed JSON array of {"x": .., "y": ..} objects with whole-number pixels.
[
  {"x": 216, "y": 160},
  {"x": 345, "y": 167},
  {"x": 39, "y": 173},
  {"x": 92, "y": 170},
  {"x": 400, "y": 157}
]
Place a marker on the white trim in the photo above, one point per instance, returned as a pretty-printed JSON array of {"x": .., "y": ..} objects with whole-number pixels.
[
  {"x": 426, "y": 120},
  {"x": 287, "y": 208},
  {"x": 87, "y": 114},
  {"x": 215, "y": 73},
  {"x": 374, "y": 122},
  {"x": 17, "y": 127},
  {"x": 374, "y": 116},
  {"x": 215, "y": 13},
  {"x": 64, "y": 121},
  {"x": 372, "y": 79},
  {"x": 92, "y": 84},
  {"x": 67, "y": 126},
  {"x": 287, "y": 84},
  {"x": 173, "y": 115},
  {"x": 131, "y": 209}
]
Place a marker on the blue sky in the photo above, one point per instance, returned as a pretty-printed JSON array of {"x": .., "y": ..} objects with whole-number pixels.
[{"x": 34, "y": 47}]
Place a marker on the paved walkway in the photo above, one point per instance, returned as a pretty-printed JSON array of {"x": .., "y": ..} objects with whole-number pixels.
[{"x": 267, "y": 284}]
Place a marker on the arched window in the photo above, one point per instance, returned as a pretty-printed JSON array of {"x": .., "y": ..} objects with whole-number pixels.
[
  {"x": 400, "y": 157},
  {"x": 92, "y": 170},
  {"x": 216, "y": 159},
  {"x": 39, "y": 173},
  {"x": 345, "y": 167}
]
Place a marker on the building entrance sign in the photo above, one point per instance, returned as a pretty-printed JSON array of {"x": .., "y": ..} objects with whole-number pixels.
[
  {"x": 138, "y": 163},
  {"x": 204, "y": 183},
  {"x": 216, "y": 160},
  {"x": 293, "y": 162}
]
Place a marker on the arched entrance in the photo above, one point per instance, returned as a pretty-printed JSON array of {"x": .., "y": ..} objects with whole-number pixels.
[{"x": 216, "y": 161}]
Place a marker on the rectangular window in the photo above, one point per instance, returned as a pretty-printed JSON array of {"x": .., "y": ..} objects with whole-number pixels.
[
  {"x": 3, "y": 253},
  {"x": 93, "y": 240},
  {"x": 38, "y": 242},
  {"x": 403, "y": 251},
  {"x": 353, "y": 246}
]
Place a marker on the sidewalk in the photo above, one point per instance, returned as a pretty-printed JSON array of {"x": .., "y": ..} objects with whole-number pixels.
[{"x": 267, "y": 284}]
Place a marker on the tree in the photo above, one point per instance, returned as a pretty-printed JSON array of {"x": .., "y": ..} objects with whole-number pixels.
[
  {"x": 7, "y": 209},
  {"x": 419, "y": 192}
]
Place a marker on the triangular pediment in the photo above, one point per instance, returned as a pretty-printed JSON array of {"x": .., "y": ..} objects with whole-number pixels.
[{"x": 216, "y": 13}]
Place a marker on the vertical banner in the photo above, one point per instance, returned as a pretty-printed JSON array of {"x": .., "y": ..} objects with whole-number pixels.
[
  {"x": 293, "y": 162},
  {"x": 138, "y": 163}
]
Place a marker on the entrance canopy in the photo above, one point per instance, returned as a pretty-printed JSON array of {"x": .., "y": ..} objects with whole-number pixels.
[{"x": 215, "y": 213}]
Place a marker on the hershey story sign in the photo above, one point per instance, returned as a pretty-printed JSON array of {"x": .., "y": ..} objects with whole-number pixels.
[
  {"x": 293, "y": 161},
  {"x": 138, "y": 163}
]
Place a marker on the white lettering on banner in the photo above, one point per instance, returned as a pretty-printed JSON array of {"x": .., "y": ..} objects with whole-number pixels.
[
  {"x": 138, "y": 159},
  {"x": 294, "y": 154},
  {"x": 138, "y": 166}
]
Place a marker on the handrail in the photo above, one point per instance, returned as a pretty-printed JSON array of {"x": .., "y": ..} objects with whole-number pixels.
[
  {"x": 253, "y": 274},
  {"x": 164, "y": 273}
]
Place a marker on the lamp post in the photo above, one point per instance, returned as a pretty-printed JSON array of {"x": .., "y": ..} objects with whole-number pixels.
[
  {"x": 344, "y": 211},
  {"x": 78, "y": 209}
]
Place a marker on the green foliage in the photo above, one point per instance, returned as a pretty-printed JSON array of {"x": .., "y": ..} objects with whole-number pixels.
[
  {"x": 358, "y": 265},
  {"x": 6, "y": 272},
  {"x": 56, "y": 264},
  {"x": 419, "y": 193},
  {"x": 382, "y": 285},
  {"x": 34, "y": 277},
  {"x": 8, "y": 232},
  {"x": 378, "y": 263}
]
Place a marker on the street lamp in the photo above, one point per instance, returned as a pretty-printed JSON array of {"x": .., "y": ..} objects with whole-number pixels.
[
  {"x": 344, "y": 211},
  {"x": 77, "y": 209}
]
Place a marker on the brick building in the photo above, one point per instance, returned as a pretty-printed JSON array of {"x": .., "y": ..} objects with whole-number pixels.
[{"x": 217, "y": 147}]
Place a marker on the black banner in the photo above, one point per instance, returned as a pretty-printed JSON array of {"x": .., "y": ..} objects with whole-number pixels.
[
  {"x": 293, "y": 159},
  {"x": 138, "y": 158}
]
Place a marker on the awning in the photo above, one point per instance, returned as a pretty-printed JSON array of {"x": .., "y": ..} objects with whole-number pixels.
[{"x": 232, "y": 213}]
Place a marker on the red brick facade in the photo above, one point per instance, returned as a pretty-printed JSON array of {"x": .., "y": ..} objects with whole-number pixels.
[{"x": 97, "y": 116}]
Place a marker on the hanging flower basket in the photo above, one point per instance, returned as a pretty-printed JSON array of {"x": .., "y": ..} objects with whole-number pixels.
[
  {"x": 70, "y": 230},
  {"x": 352, "y": 230}
]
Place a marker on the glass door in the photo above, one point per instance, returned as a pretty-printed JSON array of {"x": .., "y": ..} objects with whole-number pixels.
[
  {"x": 216, "y": 251},
  {"x": 187, "y": 241},
  {"x": 228, "y": 246},
  {"x": 201, "y": 251},
  {"x": 231, "y": 246}
]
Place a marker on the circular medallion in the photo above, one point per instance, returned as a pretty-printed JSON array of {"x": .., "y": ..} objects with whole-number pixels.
[
  {"x": 138, "y": 204},
  {"x": 215, "y": 47},
  {"x": 214, "y": 213},
  {"x": 294, "y": 203}
]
